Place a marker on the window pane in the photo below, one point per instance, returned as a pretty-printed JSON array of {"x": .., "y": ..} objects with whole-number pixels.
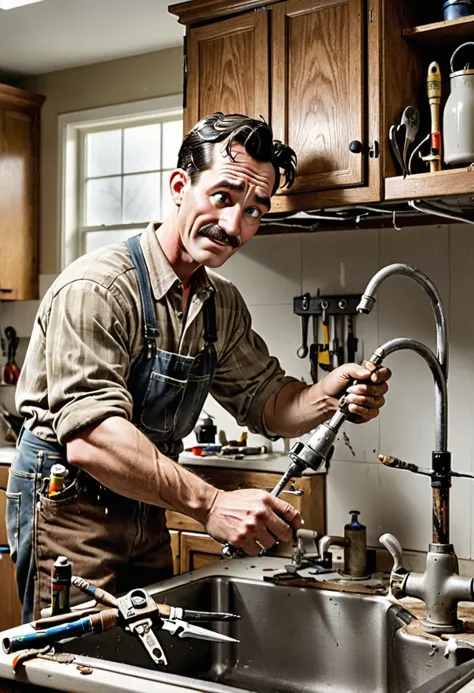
[
  {"x": 97, "y": 239},
  {"x": 172, "y": 138},
  {"x": 103, "y": 204},
  {"x": 142, "y": 148},
  {"x": 141, "y": 197},
  {"x": 104, "y": 153},
  {"x": 166, "y": 201}
]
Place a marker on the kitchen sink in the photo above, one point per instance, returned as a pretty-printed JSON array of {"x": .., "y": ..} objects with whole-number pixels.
[{"x": 292, "y": 639}]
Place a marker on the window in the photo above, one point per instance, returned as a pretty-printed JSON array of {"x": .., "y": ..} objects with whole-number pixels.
[{"x": 115, "y": 172}]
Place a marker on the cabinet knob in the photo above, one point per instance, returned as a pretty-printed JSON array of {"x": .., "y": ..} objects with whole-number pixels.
[{"x": 355, "y": 147}]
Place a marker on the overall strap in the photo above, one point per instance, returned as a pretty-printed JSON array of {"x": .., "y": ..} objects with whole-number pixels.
[
  {"x": 209, "y": 319},
  {"x": 149, "y": 320}
]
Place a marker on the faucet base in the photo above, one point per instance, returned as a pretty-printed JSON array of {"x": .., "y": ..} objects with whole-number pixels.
[
  {"x": 345, "y": 576},
  {"x": 439, "y": 629}
]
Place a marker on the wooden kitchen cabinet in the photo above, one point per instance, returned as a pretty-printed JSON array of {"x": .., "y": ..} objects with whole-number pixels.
[
  {"x": 10, "y": 613},
  {"x": 19, "y": 186},
  {"x": 339, "y": 74},
  {"x": 195, "y": 548}
]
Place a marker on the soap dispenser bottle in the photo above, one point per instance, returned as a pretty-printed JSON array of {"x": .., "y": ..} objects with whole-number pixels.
[{"x": 355, "y": 555}]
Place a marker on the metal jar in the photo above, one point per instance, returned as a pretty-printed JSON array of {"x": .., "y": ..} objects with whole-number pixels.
[
  {"x": 458, "y": 118},
  {"x": 454, "y": 9}
]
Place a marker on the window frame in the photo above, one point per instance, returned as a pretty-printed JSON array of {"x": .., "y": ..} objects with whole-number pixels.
[{"x": 73, "y": 128}]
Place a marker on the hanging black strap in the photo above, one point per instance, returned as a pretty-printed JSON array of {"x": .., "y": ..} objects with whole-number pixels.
[{"x": 138, "y": 259}]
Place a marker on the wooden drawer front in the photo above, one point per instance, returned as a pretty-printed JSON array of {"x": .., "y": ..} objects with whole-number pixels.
[{"x": 198, "y": 550}]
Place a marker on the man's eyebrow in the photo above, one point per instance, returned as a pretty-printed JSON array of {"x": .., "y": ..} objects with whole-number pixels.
[
  {"x": 230, "y": 185},
  {"x": 239, "y": 187},
  {"x": 263, "y": 201}
]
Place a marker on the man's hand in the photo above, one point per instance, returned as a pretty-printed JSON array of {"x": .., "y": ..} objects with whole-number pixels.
[
  {"x": 251, "y": 519},
  {"x": 364, "y": 400}
]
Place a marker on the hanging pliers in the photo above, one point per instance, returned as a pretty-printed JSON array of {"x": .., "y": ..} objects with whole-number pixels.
[{"x": 135, "y": 612}]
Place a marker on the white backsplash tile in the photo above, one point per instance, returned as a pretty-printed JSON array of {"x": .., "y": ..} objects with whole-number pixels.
[{"x": 267, "y": 271}]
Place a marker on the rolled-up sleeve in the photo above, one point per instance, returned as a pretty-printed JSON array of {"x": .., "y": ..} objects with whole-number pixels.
[
  {"x": 87, "y": 358},
  {"x": 246, "y": 375}
]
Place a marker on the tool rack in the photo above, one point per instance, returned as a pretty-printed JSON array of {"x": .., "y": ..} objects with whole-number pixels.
[{"x": 327, "y": 352}]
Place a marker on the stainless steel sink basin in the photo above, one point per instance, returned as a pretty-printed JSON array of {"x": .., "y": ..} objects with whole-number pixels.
[{"x": 291, "y": 639}]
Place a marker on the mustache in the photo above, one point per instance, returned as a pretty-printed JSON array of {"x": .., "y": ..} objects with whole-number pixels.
[{"x": 215, "y": 233}]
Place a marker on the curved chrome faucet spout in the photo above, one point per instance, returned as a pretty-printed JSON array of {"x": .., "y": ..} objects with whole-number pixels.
[
  {"x": 368, "y": 299},
  {"x": 441, "y": 396}
]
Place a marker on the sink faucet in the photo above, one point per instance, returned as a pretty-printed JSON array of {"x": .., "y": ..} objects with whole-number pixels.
[
  {"x": 441, "y": 458},
  {"x": 440, "y": 586}
]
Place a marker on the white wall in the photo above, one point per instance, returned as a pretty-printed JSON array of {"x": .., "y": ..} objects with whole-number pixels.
[{"x": 271, "y": 270}]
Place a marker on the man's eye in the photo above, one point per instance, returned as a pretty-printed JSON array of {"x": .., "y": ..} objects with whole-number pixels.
[
  {"x": 253, "y": 212},
  {"x": 221, "y": 197}
]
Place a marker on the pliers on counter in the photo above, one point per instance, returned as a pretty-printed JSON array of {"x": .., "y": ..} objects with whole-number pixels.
[{"x": 136, "y": 612}]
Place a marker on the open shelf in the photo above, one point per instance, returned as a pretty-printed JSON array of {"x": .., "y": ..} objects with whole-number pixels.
[
  {"x": 458, "y": 181},
  {"x": 455, "y": 30}
]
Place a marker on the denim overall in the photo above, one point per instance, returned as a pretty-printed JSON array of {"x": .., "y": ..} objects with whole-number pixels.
[{"x": 114, "y": 541}]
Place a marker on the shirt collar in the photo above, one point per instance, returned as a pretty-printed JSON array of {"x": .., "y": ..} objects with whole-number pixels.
[{"x": 162, "y": 276}]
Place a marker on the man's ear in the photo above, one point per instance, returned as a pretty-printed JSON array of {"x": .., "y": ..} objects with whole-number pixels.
[{"x": 179, "y": 181}]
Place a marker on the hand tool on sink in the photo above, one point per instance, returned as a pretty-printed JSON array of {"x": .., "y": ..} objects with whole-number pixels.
[{"x": 136, "y": 612}]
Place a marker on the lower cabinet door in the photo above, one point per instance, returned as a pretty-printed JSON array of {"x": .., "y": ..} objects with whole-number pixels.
[{"x": 198, "y": 550}]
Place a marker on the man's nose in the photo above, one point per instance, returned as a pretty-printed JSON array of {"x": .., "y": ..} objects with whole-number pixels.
[{"x": 230, "y": 220}]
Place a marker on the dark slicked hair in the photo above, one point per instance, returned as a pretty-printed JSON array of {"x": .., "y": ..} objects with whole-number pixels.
[{"x": 197, "y": 149}]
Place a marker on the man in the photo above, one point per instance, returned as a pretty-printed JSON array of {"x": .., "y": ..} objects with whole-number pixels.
[{"x": 127, "y": 344}]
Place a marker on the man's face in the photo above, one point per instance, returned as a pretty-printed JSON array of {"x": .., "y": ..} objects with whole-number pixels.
[{"x": 222, "y": 211}]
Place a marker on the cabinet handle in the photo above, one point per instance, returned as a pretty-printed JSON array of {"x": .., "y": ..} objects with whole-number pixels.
[
  {"x": 355, "y": 147},
  {"x": 6, "y": 291}
]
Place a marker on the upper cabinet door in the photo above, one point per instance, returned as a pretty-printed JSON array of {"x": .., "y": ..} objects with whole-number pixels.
[
  {"x": 228, "y": 68},
  {"x": 318, "y": 100},
  {"x": 18, "y": 205}
]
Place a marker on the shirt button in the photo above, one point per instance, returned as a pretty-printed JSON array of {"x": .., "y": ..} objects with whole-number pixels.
[
  {"x": 184, "y": 351},
  {"x": 179, "y": 315}
]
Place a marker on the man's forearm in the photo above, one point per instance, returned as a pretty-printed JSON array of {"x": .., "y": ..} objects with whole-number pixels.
[
  {"x": 121, "y": 458},
  {"x": 296, "y": 409}
]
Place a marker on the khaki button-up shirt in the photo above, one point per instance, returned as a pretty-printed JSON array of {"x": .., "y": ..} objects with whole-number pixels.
[{"x": 89, "y": 332}]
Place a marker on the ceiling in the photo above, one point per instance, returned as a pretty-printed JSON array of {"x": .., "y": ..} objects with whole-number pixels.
[{"x": 57, "y": 34}]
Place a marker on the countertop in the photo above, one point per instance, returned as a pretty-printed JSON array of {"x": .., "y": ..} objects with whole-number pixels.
[{"x": 268, "y": 462}]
